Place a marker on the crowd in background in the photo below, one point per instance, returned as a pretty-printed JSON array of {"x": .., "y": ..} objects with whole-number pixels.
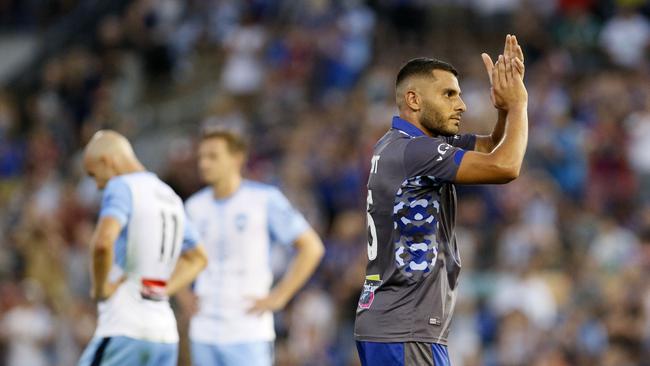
[{"x": 554, "y": 264}]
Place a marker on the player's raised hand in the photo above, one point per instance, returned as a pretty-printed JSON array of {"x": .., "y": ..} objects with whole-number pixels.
[
  {"x": 514, "y": 51},
  {"x": 489, "y": 67},
  {"x": 511, "y": 50},
  {"x": 507, "y": 85}
]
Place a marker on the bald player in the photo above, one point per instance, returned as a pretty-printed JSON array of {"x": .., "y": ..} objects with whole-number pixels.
[
  {"x": 143, "y": 251},
  {"x": 408, "y": 297}
]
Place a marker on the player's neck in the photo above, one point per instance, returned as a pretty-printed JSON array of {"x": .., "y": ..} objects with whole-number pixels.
[
  {"x": 414, "y": 121},
  {"x": 226, "y": 187},
  {"x": 129, "y": 167}
]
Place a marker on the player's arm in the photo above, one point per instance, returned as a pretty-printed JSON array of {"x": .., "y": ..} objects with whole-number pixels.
[
  {"x": 114, "y": 214},
  {"x": 487, "y": 143},
  {"x": 288, "y": 226},
  {"x": 310, "y": 250},
  {"x": 103, "y": 239},
  {"x": 189, "y": 265},
  {"x": 503, "y": 164},
  {"x": 192, "y": 261}
]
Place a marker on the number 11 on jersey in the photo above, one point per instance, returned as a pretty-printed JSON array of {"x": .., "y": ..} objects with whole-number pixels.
[
  {"x": 165, "y": 242},
  {"x": 372, "y": 230}
]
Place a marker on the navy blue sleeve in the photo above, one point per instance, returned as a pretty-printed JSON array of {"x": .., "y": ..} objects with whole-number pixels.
[
  {"x": 432, "y": 157},
  {"x": 466, "y": 141}
]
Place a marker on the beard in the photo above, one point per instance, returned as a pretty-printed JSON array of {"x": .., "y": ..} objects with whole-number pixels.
[{"x": 435, "y": 123}]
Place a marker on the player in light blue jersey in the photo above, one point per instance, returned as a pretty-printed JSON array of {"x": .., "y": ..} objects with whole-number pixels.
[
  {"x": 238, "y": 220},
  {"x": 143, "y": 250}
]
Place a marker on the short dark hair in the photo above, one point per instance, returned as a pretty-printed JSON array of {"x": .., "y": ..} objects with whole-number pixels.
[
  {"x": 423, "y": 66},
  {"x": 235, "y": 140}
]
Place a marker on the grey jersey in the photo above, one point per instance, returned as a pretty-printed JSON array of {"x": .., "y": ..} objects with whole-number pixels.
[{"x": 412, "y": 273}]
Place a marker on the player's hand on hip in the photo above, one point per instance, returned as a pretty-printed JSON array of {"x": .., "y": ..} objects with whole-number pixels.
[
  {"x": 104, "y": 292},
  {"x": 189, "y": 303},
  {"x": 272, "y": 302}
]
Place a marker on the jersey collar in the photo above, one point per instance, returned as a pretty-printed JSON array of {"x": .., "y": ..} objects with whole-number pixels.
[{"x": 406, "y": 127}]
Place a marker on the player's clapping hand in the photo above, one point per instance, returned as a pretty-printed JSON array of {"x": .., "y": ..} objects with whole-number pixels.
[
  {"x": 101, "y": 293},
  {"x": 508, "y": 85},
  {"x": 272, "y": 302},
  {"x": 511, "y": 50}
]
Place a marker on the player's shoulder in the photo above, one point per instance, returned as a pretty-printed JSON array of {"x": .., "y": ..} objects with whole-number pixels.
[
  {"x": 116, "y": 183},
  {"x": 429, "y": 139},
  {"x": 141, "y": 177},
  {"x": 425, "y": 145},
  {"x": 202, "y": 195},
  {"x": 425, "y": 150},
  {"x": 254, "y": 191},
  {"x": 255, "y": 186}
]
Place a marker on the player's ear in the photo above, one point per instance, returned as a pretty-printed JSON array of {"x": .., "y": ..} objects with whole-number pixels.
[
  {"x": 412, "y": 100},
  {"x": 108, "y": 162},
  {"x": 241, "y": 158}
]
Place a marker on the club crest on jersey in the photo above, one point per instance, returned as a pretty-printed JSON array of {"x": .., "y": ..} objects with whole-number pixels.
[
  {"x": 442, "y": 150},
  {"x": 240, "y": 221}
]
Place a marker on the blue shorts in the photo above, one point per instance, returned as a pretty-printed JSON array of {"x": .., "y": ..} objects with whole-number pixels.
[
  {"x": 402, "y": 354},
  {"x": 121, "y": 351},
  {"x": 249, "y": 354}
]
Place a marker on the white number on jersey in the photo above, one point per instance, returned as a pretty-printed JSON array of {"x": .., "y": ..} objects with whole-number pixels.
[
  {"x": 372, "y": 230},
  {"x": 374, "y": 163},
  {"x": 168, "y": 218}
]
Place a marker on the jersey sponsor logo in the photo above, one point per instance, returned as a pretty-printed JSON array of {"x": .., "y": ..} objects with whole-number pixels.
[
  {"x": 414, "y": 215},
  {"x": 153, "y": 290},
  {"x": 371, "y": 285}
]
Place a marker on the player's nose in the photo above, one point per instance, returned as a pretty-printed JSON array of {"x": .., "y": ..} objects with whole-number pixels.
[{"x": 461, "y": 107}]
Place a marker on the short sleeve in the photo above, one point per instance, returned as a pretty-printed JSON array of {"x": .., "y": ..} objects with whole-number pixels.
[
  {"x": 116, "y": 201},
  {"x": 285, "y": 222},
  {"x": 426, "y": 156},
  {"x": 465, "y": 141},
  {"x": 191, "y": 236}
]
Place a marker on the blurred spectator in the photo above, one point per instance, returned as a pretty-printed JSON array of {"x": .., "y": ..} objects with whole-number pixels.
[
  {"x": 638, "y": 128},
  {"x": 243, "y": 72},
  {"x": 27, "y": 326},
  {"x": 626, "y": 37}
]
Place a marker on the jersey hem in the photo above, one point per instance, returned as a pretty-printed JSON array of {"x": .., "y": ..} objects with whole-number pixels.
[
  {"x": 435, "y": 340},
  {"x": 214, "y": 342},
  {"x": 166, "y": 340}
]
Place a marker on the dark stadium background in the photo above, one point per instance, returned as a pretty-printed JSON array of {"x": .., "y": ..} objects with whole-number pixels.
[{"x": 555, "y": 264}]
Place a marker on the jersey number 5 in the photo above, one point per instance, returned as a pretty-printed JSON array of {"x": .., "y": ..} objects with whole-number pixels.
[
  {"x": 372, "y": 230},
  {"x": 164, "y": 241}
]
